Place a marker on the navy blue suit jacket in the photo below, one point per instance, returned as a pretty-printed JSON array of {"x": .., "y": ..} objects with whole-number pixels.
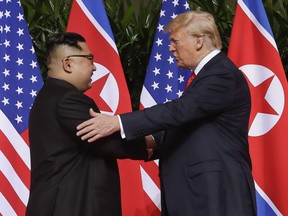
[{"x": 205, "y": 166}]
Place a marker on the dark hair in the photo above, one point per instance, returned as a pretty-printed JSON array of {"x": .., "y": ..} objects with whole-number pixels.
[{"x": 65, "y": 38}]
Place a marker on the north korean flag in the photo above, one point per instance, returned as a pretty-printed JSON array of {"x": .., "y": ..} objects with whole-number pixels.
[
  {"x": 254, "y": 51},
  {"x": 109, "y": 88}
]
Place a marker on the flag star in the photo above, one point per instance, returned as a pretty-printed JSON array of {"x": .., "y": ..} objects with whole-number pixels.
[
  {"x": 179, "y": 93},
  {"x": 1, "y": 13},
  {"x": 19, "y": 105},
  {"x": 5, "y": 101},
  {"x": 174, "y": 16},
  {"x": 19, "y": 61},
  {"x": 1, "y": 30},
  {"x": 6, "y": 72},
  {"x": 33, "y": 79},
  {"x": 20, "y": 31},
  {"x": 7, "y": 29},
  {"x": 159, "y": 42},
  {"x": 170, "y": 74},
  {"x": 6, "y": 57},
  {"x": 162, "y": 13},
  {"x": 33, "y": 64},
  {"x": 157, "y": 57},
  {"x": 7, "y": 14},
  {"x": 19, "y": 3},
  {"x": 32, "y": 50},
  {"x": 160, "y": 27},
  {"x": 156, "y": 71},
  {"x": 19, "y": 90},
  {"x": 33, "y": 93},
  {"x": 7, "y": 1},
  {"x": 20, "y": 17},
  {"x": 19, "y": 76},
  {"x": 20, "y": 47},
  {"x": 167, "y": 100},
  {"x": 5, "y": 86},
  {"x": 181, "y": 79},
  {"x": 155, "y": 85},
  {"x": 170, "y": 60},
  {"x": 186, "y": 5},
  {"x": 18, "y": 119},
  {"x": 168, "y": 88},
  {"x": 175, "y": 2},
  {"x": 6, "y": 43}
]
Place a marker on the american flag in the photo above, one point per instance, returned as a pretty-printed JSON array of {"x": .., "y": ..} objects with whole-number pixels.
[
  {"x": 164, "y": 82},
  {"x": 256, "y": 54},
  {"x": 20, "y": 80}
]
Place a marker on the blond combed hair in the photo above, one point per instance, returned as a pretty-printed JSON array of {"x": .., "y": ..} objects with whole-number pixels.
[{"x": 197, "y": 23}]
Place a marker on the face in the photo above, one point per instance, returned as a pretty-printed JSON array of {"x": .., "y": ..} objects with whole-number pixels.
[
  {"x": 184, "y": 48},
  {"x": 81, "y": 68}
]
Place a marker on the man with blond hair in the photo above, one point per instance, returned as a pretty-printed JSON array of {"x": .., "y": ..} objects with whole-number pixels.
[{"x": 205, "y": 166}]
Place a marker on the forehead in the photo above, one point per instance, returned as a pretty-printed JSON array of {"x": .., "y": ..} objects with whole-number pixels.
[
  {"x": 84, "y": 47},
  {"x": 177, "y": 34}
]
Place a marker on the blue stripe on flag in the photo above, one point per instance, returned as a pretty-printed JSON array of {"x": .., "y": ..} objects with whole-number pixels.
[
  {"x": 262, "y": 206},
  {"x": 257, "y": 8},
  {"x": 99, "y": 13}
]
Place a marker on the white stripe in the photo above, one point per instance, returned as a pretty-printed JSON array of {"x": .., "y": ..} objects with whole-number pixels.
[
  {"x": 5, "y": 207},
  {"x": 15, "y": 139},
  {"x": 17, "y": 184},
  {"x": 146, "y": 99},
  {"x": 156, "y": 162},
  {"x": 97, "y": 25},
  {"x": 267, "y": 199},
  {"x": 262, "y": 30},
  {"x": 151, "y": 188}
]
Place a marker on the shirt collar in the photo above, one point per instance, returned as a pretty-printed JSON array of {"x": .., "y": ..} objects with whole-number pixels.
[{"x": 206, "y": 59}]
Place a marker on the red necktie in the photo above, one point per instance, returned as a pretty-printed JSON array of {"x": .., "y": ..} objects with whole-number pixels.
[{"x": 192, "y": 76}]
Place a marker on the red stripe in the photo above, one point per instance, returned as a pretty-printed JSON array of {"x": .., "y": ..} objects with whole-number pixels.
[
  {"x": 11, "y": 196},
  {"x": 131, "y": 183},
  {"x": 152, "y": 209},
  {"x": 18, "y": 165},
  {"x": 152, "y": 170}
]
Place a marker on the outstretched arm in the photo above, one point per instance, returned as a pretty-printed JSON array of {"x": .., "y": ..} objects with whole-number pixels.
[{"x": 100, "y": 125}]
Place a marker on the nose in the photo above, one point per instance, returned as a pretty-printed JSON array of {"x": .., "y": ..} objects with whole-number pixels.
[
  {"x": 94, "y": 66},
  {"x": 171, "y": 47}
]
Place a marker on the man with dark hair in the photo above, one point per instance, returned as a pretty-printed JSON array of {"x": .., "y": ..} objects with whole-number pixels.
[{"x": 69, "y": 176}]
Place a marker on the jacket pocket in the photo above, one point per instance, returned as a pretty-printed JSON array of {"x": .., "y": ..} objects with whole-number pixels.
[{"x": 204, "y": 167}]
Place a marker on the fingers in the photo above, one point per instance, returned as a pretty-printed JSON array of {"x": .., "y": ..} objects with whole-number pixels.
[
  {"x": 85, "y": 130},
  {"x": 86, "y": 123},
  {"x": 92, "y": 113},
  {"x": 94, "y": 138}
]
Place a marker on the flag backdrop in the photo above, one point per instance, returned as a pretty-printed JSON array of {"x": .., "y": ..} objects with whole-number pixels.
[
  {"x": 255, "y": 53},
  {"x": 164, "y": 81},
  {"x": 20, "y": 81},
  {"x": 109, "y": 89}
]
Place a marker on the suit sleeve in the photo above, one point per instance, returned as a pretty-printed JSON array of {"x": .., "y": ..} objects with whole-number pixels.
[
  {"x": 73, "y": 109},
  {"x": 205, "y": 97}
]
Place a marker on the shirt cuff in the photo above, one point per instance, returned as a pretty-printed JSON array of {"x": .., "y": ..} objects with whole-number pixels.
[{"x": 122, "y": 133}]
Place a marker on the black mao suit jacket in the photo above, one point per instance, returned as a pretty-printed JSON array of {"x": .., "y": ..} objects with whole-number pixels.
[
  {"x": 70, "y": 177},
  {"x": 205, "y": 167}
]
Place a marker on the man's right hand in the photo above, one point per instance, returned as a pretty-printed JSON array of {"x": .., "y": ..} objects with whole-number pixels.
[{"x": 100, "y": 125}]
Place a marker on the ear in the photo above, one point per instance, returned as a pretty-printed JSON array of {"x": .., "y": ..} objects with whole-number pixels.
[
  {"x": 66, "y": 64},
  {"x": 199, "y": 41}
]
